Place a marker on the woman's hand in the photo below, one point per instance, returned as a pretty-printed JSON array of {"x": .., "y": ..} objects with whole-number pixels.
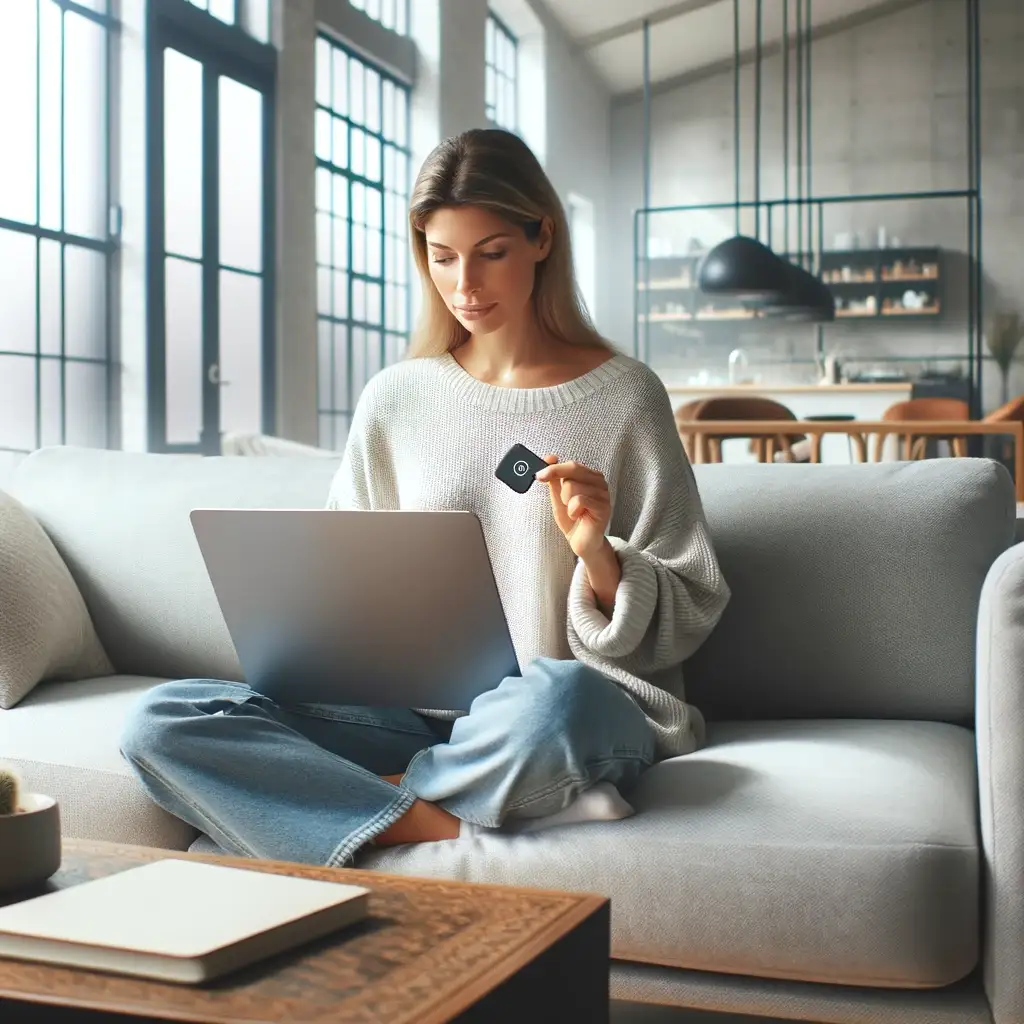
[
  {"x": 581, "y": 503},
  {"x": 582, "y": 507}
]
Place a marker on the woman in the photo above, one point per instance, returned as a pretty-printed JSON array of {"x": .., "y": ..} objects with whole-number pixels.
[{"x": 606, "y": 571}]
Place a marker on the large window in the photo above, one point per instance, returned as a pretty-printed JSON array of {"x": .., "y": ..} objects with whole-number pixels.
[
  {"x": 501, "y": 59},
  {"x": 55, "y": 242},
  {"x": 392, "y": 14},
  {"x": 362, "y": 194}
]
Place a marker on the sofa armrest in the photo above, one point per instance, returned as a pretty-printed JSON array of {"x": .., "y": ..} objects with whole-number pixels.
[{"x": 1000, "y": 739}]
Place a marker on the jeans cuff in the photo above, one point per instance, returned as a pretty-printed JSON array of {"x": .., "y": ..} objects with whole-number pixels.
[{"x": 344, "y": 853}]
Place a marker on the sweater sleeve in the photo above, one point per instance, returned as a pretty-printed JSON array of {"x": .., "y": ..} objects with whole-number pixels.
[
  {"x": 672, "y": 592},
  {"x": 365, "y": 480}
]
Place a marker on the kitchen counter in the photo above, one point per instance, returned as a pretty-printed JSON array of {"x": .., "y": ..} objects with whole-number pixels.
[{"x": 898, "y": 388}]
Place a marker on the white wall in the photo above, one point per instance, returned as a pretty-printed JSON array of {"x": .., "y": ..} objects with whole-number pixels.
[
  {"x": 578, "y": 157},
  {"x": 889, "y": 115}
]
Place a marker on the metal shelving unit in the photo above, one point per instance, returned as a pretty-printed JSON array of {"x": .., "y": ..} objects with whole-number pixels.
[{"x": 690, "y": 312}]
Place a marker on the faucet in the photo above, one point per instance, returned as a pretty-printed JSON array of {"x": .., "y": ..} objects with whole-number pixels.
[{"x": 736, "y": 356}]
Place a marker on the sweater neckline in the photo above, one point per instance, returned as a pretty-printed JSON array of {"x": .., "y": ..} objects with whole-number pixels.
[{"x": 557, "y": 396}]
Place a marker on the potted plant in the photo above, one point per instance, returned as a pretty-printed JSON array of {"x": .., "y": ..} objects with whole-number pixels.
[
  {"x": 1003, "y": 337},
  {"x": 30, "y": 849}
]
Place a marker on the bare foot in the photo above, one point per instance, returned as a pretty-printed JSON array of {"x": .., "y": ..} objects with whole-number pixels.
[{"x": 422, "y": 823}]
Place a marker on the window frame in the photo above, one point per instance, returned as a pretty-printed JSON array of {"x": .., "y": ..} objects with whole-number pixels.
[
  {"x": 501, "y": 30},
  {"x": 342, "y": 407},
  {"x": 107, "y": 245},
  {"x": 232, "y": 51},
  {"x": 238, "y": 7},
  {"x": 405, "y": 6}
]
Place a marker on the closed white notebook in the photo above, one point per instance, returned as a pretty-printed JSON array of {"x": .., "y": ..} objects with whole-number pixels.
[{"x": 177, "y": 920}]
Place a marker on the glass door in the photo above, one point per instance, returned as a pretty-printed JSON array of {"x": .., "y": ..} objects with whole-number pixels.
[{"x": 211, "y": 231}]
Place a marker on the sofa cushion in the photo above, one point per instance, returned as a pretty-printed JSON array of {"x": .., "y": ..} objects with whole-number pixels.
[
  {"x": 45, "y": 629},
  {"x": 839, "y": 852},
  {"x": 855, "y": 589},
  {"x": 129, "y": 544},
  {"x": 63, "y": 740}
]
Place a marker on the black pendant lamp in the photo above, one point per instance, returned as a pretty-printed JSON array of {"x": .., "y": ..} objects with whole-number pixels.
[{"x": 745, "y": 268}]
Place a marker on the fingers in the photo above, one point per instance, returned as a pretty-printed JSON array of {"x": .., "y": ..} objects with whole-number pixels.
[
  {"x": 569, "y": 471},
  {"x": 571, "y": 488},
  {"x": 587, "y": 504}
]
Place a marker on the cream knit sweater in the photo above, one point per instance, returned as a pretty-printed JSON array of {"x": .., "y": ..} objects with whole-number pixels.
[{"x": 428, "y": 435}]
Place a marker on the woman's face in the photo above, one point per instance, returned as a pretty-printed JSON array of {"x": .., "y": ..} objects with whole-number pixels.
[{"x": 482, "y": 266}]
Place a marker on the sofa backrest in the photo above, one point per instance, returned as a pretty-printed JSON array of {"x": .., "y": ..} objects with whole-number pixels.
[
  {"x": 855, "y": 589},
  {"x": 120, "y": 520}
]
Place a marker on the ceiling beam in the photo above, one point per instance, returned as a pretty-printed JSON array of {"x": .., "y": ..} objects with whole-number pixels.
[
  {"x": 626, "y": 28},
  {"x": 773, "y": 49}
]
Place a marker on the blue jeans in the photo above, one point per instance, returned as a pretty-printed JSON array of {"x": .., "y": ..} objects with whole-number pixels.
[{"x": 302, "y": 783}]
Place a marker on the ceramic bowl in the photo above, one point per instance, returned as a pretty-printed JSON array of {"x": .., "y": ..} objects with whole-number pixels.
[{"x": 29, "y": 843}]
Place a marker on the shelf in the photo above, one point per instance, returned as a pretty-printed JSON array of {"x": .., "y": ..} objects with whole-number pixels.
[
  {"x": 738, "y": 314},
  {"x": 669, "y": 318},
  {"x": 841, "y": 314},
  {"x": 872, "y": 276},
  {"x": 925, "y": 311},
  {"x": 666, "y": 286}
]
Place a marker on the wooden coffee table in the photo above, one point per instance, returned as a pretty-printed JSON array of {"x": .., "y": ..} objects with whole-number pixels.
[{"x": 431, "y": 951}]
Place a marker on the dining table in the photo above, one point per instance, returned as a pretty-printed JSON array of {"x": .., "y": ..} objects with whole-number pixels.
[{"x": 859, "y": 431}]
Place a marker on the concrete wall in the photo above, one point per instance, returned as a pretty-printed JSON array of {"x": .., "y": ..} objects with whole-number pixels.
[
  {"x": 889, "y": 115},
  {"x": 296, "y": 222}
]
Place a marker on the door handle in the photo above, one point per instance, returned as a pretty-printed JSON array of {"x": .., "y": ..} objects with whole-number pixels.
[{"x": 213, "y": 376}]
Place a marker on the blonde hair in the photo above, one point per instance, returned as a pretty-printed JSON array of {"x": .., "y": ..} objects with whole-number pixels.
[{"x": 497, "y": 171}]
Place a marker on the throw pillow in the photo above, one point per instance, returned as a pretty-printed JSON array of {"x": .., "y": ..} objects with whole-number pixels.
[{"x": 45, "y": 628}]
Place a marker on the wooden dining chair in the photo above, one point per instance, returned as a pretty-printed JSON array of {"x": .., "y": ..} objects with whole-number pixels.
[
  {"x": 923, "y": 409},
  {"x": 685, "y": 414},
  {"x": 737, "y": 407},
  {"x": 1012, "y": 410}
]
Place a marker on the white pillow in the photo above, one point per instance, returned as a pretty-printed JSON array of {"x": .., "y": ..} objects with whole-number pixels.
[{"x": 45, "y": 628}]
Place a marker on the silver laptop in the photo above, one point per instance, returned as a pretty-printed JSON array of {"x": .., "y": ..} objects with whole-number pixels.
[{"x": 370, "y": 608}]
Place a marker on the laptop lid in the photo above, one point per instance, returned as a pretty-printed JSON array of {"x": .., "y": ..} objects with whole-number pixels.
[{"x": 366, "y": 608}]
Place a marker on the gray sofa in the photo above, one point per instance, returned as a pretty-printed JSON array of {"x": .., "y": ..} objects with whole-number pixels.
[{"x": 848, "y": 847}]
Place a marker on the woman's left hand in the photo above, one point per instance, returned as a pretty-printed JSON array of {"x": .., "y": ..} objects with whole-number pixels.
[{"x": 581, "y": 503}]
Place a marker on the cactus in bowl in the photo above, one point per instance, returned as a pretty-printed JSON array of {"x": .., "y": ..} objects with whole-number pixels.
[
  {"x": 10, "y": 791},
  {"x": 30, "y": 845}
]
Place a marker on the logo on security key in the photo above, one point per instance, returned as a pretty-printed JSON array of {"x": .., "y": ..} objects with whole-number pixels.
[{"x": 518, "y": 468}]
